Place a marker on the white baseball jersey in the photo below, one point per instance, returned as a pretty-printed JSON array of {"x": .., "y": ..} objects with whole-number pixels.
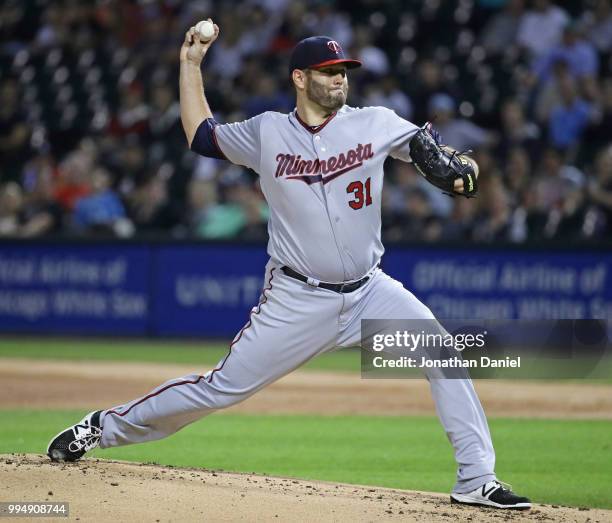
[{"x": 323, "y": 186}]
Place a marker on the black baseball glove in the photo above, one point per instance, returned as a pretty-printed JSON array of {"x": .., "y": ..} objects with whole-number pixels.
[{"x": 441, "y": 165}]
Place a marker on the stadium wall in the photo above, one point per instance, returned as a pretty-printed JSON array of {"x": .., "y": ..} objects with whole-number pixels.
[{"x": 152, "y": 288}]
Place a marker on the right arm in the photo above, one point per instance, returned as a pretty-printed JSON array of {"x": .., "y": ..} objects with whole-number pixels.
[
  {"x": 194, "y": 107},
  {"x": 240, "y": 141}
]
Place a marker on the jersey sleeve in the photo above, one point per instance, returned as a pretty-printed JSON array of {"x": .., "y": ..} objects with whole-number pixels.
[
  {"x": 240, "y": 142},
  {"x": 400, "y": 133},
  {"x": 204, "y": 140}
]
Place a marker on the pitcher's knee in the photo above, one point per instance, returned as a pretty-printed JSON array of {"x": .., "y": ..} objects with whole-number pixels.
[
  {"x": 225, "y": 400},
  {"x": 221, "y": 397}
]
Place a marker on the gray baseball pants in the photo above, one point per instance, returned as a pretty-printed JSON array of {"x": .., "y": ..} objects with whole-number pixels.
[{"x": 292, "y": 323}]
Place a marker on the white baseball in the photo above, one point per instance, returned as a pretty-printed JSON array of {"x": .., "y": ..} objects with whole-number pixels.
[{"x": 205, "y": 29}]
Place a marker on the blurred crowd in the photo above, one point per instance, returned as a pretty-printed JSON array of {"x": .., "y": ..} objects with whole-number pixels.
[{"x": 91, "y": 140}]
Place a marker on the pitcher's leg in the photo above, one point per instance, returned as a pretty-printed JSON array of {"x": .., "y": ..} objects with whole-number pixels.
[
  {"x": 274, "y": 342},
  {"x": 456, "y": 401},
  {"x": 164, "y": 411},
  {"x": 465, "y": 423}
]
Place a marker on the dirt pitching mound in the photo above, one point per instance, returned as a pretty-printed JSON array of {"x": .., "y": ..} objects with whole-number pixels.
[{"x": 104, "y": 490}]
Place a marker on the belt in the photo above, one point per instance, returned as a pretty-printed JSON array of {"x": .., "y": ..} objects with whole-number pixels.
[{"x": 336, "y": 287}]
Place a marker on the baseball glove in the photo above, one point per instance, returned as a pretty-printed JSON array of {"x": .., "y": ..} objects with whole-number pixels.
[{"x": 441, "y": 165}]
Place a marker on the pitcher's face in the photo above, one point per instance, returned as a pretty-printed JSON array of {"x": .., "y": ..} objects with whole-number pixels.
[{"x": 327, "y": 87}]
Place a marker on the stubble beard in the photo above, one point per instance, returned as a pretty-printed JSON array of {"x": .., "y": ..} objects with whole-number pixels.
[{"x": 320, "y": 95}]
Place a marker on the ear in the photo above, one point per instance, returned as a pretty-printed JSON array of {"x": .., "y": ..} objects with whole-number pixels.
[{"x": 299, "y": 78}]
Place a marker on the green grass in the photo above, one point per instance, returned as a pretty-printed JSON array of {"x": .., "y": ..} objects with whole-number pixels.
[
  {"x": 156, "y": 351},
  {"x": 561, "y": 462},
  {"x": 552, "y": 461}
]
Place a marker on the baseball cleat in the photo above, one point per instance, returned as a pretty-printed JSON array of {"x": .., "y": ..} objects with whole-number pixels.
[
  {"x": 73, "y": 442},
  {"x": 492, "y": 494}
]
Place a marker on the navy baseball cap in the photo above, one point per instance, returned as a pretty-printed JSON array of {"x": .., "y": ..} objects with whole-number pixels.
[{"x": 319, "y": 51}]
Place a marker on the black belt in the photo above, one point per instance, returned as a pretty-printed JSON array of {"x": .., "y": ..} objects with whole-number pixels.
[{"x": 336, "y": 287}]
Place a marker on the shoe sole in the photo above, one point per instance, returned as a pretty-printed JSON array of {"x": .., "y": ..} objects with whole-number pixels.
[
  {"x": 53, "y": 454},
  {"x": 57, "y": 455},
  {"x": 486, "y": 503}
]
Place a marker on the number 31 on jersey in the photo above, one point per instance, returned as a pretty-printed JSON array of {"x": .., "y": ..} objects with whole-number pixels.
[{"x": 361, "y": 193}]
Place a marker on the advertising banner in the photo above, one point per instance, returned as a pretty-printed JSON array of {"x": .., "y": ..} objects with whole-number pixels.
[
  {"x": 209, "y": 289},
  {"x": 506, "y": 284},
  {"x": 206, "y": 290},
  {"x": 83, "y": 289}
]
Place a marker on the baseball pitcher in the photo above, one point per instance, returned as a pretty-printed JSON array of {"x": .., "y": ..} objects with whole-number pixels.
[{"x": 321, "y": 172}]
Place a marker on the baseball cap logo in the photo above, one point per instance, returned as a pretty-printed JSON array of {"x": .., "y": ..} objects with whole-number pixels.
[{"x": 334, "y": 46}]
